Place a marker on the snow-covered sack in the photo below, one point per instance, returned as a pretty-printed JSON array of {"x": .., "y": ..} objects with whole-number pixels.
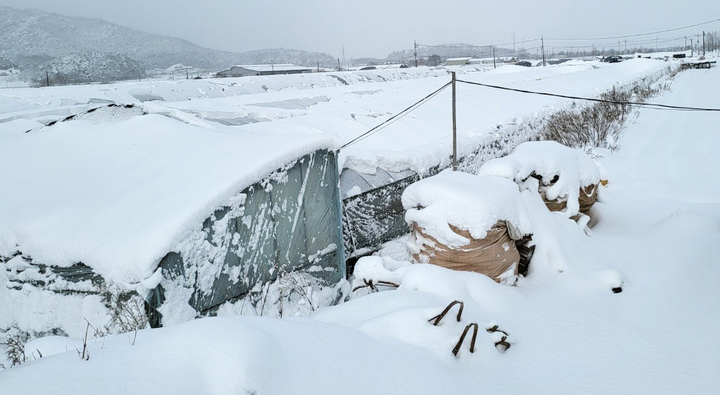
[
  {"x": 465, "y": 222},
  {"x": 566, "y": 178}
]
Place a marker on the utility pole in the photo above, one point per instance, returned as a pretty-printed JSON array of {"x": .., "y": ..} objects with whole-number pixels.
[
  {"x": 454, "y": 124},
  {"x": 415, "y": 53},
  {"x": 514, "y": 44},
  {"x": 542, "y": 45},
  {"x": 494, "y": 65},
  {"x": 343, "y": 53},
  {"x": 703, "y": 43},
  {"x": 691, "y": 49},
  {"x": 187, "y": 73},
  {"x": 47, "y": 78},
  {"x": 339, "y": 64},
  {"x": 318, "y": 67}
]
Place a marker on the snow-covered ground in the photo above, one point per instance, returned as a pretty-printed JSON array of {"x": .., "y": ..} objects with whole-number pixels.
[{"x": 658, "y": 222}]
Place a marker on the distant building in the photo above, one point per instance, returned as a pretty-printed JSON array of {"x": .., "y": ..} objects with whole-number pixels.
[
  {"x": 457, "y": 61},
  {"x": 263, "y": 69}
]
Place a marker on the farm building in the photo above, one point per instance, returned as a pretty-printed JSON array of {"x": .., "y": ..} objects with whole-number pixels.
[
  {"x": 263, "y": 69},
  {"x": 180, "y": 212},
  {"x": 457, "y": 61}
]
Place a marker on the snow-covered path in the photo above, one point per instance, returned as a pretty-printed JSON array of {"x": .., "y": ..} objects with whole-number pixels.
[{"x": 658, "y": 228}]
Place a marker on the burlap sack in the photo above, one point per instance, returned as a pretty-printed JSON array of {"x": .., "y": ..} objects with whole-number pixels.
[
  {"x": 588, "y": 197},
  {"x": 494, "y": 256}
]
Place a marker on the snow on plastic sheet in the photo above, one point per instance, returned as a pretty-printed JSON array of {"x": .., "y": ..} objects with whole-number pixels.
[
  {"x": 465, "y": 201},
  {"x": 118, "y": 195},
  {"x": 572, "y": 169}
]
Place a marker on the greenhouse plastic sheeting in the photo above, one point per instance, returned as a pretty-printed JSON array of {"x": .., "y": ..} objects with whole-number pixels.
[{"x": 288, "y": 221}]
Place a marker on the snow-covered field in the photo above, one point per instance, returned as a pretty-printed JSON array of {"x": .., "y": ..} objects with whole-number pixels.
[{"x": 657, "y": 225}]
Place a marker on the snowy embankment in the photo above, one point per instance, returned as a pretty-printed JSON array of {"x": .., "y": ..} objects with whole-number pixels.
[{"x": 658, "y": 221}]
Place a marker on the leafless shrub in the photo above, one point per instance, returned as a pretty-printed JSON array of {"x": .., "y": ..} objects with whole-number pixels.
[
  {"x": 14, "y": 345},
  {"x": 595, "y": 125},
  {"x": 291, "y": 292},
  {"x": 600, "y": 124},
  {"x": 127, "y": 312},
  {"x": 297, "y": 283}
]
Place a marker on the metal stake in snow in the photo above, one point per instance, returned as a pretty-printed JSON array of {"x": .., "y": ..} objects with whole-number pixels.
[{"x": 454, "y": 124}]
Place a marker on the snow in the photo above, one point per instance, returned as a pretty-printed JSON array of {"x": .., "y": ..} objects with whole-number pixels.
[
  {"x": 273, "y": 67},
  {"x": 548, "y": 160},
  {"x": 465, "y": 201},
  {"x": 67, "y": 202},
  {"x": 658, "y": 220},
  {"x": 348, "y": 104},
  {"x": 118, "y": 193},
  {"x": 423, "y": 139}
]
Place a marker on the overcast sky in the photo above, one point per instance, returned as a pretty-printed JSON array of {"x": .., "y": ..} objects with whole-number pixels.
[{"x": 378, "y": 27}]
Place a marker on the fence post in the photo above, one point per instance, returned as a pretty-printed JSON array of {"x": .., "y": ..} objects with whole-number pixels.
[{"x": 454, "y": 124}]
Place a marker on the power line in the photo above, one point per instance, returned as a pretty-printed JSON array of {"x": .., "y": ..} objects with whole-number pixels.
[
  {"x": 629, "y": 43},
  {"x": 573, "y": 39},
  {"x": 636, "y": 35},
  {"x": 647, "y": 105},
  {"x": 396, "y": 116}
]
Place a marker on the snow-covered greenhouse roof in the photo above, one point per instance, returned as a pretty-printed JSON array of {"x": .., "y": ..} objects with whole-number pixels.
[{"x": 117, "y": 188}]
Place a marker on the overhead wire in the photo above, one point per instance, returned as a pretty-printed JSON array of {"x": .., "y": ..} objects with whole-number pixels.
[
  {"x": 636, "y": 35},
  {"x": 647, "y": 105},
  {"x": 654, "y": 106},
  {"x": 408, "y": 110},
  {"x": 397, "y": 116},
  {"x": 548, "y": 40}
]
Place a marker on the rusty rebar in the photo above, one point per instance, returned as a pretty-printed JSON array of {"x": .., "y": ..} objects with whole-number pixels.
[
  {"x": 462, "y": 338},
  {"x": 496, "y": 329},
  {"x": 440, "y": 316},
  {"x": 503, "y": 343},
  {"x": 372, "y": 286}
]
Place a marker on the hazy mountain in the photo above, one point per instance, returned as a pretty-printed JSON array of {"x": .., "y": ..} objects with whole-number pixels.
[{"x": 31, "y": 37}]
